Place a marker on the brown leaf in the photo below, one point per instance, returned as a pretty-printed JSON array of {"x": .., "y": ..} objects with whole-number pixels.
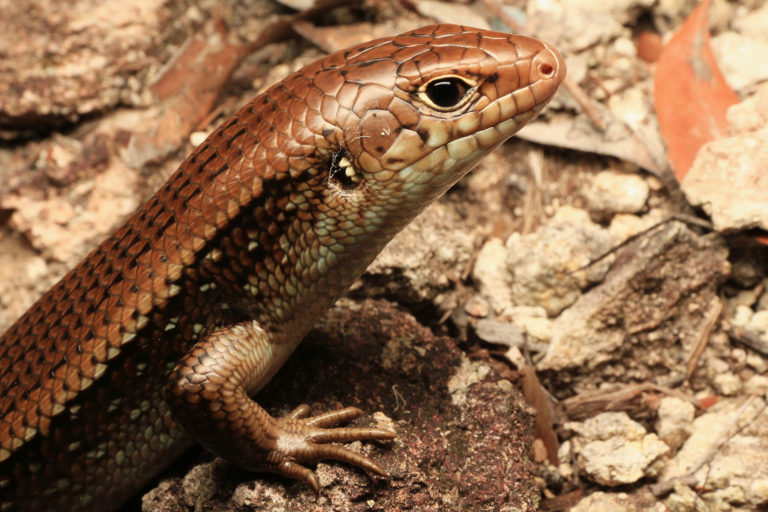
[
  {"x": 537, "y": 397},
  {"x": 691, "y": 95},
  {"x": 188, "y": 91}
]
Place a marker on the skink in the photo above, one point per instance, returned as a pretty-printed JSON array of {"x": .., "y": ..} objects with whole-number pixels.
[{"x": 161, "y": 335}]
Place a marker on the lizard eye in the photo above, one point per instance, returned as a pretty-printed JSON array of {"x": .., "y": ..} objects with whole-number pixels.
[{"x": 446, "y": 93}]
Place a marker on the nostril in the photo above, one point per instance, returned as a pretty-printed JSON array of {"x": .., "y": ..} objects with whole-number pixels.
[{"x": 546, "y": 69}]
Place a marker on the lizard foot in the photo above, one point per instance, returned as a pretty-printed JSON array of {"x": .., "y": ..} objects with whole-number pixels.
[{"x": 300, "y": 439}]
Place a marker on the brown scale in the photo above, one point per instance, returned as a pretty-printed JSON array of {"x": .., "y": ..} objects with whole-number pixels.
[{"x": 108, "y": 377}]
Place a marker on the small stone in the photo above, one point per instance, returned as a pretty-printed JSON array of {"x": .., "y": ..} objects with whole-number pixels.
[
  {"x": 36, "y": 268},
  {"x": 477, "y": 306},
  {"x": 727, "y": 384},
  {"x": 491, "y": 276},
  {"x": 753, "y": 23},
  {"x": 735, "y": 53},
  {"x": 759, "y": 321},
  {"x": 716, "y": 366},
  {"x": 533, "y": 320},
  {"x": 742, "y": 316},
  {"x": 539, "y": 451},
  {"x": 675, "y": 417},
  {"x": 684, "y": 499},
  {"x": 516, "y": 357},
  {"x": 625, "y": 225},
  {"x": 614, "y": 450},
  {"x": 614, "y": 502},
  {"x": 757, "y": 384},
  {"x": 197, "y": 138},
  {"x": 617, "y": 193},
  {"x": 751, "y": 115},
  {"x": 757, "y": 362},
  {"x": 728, "y": 180},
  {"x": 564, "y": 452},
  {"x": 739, "y": 356}
]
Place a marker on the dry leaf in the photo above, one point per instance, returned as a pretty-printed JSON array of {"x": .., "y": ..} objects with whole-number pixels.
[
  {"x": 537, "y": 397},
  {"x": 691, "y": 95}
]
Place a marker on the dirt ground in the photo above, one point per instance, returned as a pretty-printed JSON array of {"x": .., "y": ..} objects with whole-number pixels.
[{"x": 597, "y": 287}]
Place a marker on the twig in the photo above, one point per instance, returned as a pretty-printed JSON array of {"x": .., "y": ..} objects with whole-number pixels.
[
  {"x": 532, "y": 201},
  {"x": 710, "y": 319},
  {"x": 588, "y": 404}
]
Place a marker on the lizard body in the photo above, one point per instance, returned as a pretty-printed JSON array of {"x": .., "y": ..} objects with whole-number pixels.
[{"x": 161, "y": 334}]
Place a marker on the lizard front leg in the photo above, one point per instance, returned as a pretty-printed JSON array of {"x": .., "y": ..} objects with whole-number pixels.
[{"x": 208, "y": 394}]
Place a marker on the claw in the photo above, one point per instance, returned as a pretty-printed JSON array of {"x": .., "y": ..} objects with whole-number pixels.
[
  {"x": 341, "y": 454},
  {"x": 300, "y": 473}
]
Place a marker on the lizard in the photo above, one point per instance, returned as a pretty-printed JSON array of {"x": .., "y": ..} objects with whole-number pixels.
[{"x": 164, "y": 332}]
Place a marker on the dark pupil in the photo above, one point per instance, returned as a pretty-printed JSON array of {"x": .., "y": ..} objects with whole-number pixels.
[{"x": 447, "y": 92}]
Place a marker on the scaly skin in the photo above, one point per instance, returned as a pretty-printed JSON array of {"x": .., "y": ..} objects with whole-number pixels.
[{"x": 161, "y": 334}]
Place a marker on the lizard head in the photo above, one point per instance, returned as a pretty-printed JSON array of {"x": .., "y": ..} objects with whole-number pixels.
[{"x": 404, "y": 118}]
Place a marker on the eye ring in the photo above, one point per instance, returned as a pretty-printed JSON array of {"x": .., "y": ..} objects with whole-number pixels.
[{"x": 446, "y": 93}]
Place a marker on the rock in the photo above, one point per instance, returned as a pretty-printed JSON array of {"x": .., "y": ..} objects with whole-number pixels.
[
  {"x": 60, "y": 227},
  {"x": 751, "y": 115},
  {"x": 624, "y": 225},
  {"x": 545, "y": 267},
  {"x": 463, "y": 433},
  {"x": 500, "y": 333},
  {"x": 762, "y": 302},
  {"x": 728, "y": 178},
  {"x": 735, "y": 54},
  {"x": 747, "y": 273},
  {"x": 615, "y": 502},
  {"x": 752, "y": 23},
  {"x": 533, "y": 320},
  {"x": 757, "y": 362},
  {"x": 477, "y": 307},
  {"x": 727, "y": 384},
  {"x": 685, "y": 499},
  {"x": 491, "y": 276},
  {"x": 459, "y": 14},
  {"x": 729, "y": 446},
  {"x": 438, "y": 236},
  {"x": 757, "y": 385},
  {"x": 613, "y": 450},
  {"x": 759, "y": 321},
  {"x": 582, "y": 23},
  {"x": 656, "y": 292},
  {"x": 510, "y": 335},
  {"x": 78, "y": 61},
  {"x": 614, "y": 192},
  {"x": 675, "y": 417},
  {"x": 753, "y": 323}
]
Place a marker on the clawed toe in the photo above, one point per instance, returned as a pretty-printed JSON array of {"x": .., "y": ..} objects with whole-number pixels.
[
  {"x": 332, "y": 418},
  {"x": 314, "y": 433}
]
